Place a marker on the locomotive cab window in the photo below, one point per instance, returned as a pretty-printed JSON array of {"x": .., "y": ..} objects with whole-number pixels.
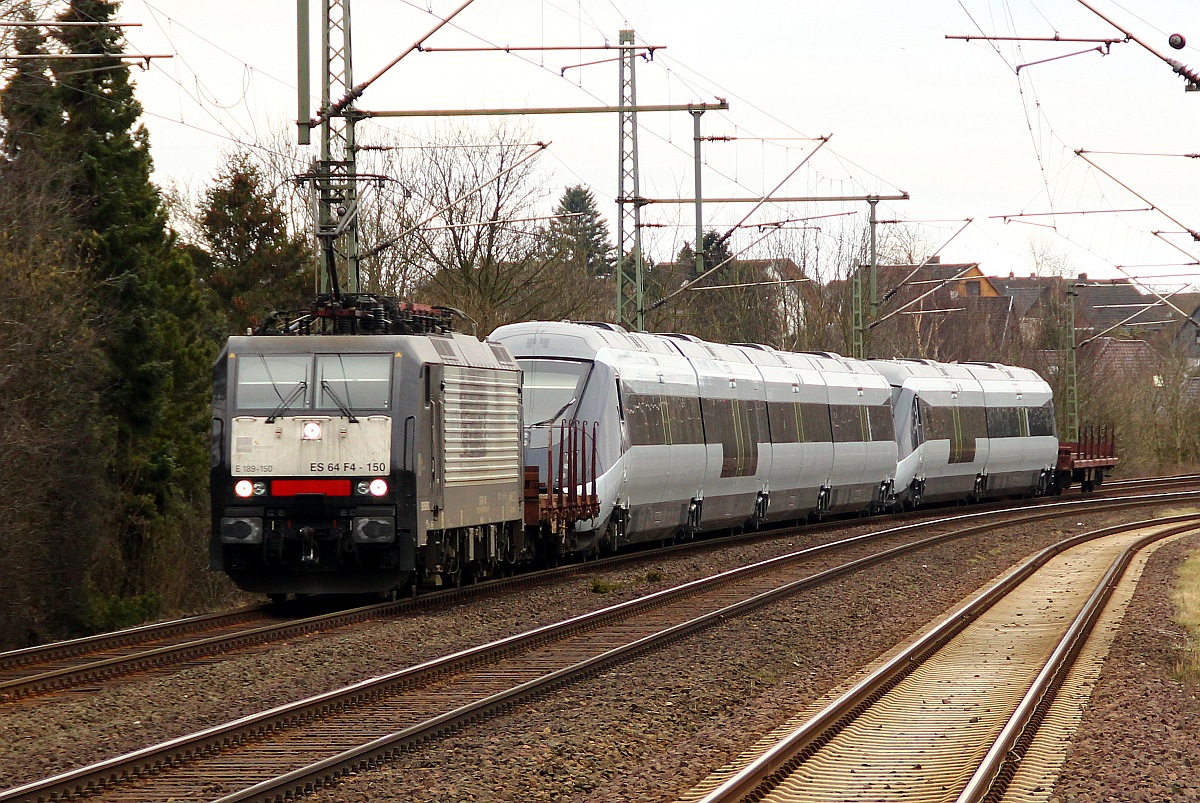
[
  {"x": 360, "y": 381},
  {"x": 266, "y": 381},
  {"x": 551, "y": 389}
]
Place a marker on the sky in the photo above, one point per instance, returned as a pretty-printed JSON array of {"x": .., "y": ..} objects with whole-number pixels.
[{"x": 953, "y": 123}]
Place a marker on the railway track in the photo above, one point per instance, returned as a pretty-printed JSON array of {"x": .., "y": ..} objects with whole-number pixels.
[
  {"x": 955, "y": 714},
  {"x": 109, "y": 657},
  {"x": 294, "y": 747}
]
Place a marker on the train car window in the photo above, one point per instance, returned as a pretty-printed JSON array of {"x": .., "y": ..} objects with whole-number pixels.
[
  {"x": 644, "y": 417},
  {"x": 799, "y": 422},
  {"x": 849, "y": 423},
  {"x": 266, "y": 381},
  {"x": 1041, "y": 420},
  {"x": 918, "y": 426},
  {"x": 682, "y": 415},
  {"x": 552, "y": 389},
  {"x": 360, "y": 381},
  {"x": 217, "y": 443},
  {"x": 410, "y": 443},
  {"x": 959, "y": 425},
  {"x": 760, "y": 424},
  {"x": 1007, "y": 422},
  {"x": 817, "y": 423},
  {"x": 883, "y": 427},
  {"x": 974, "y": 422},
  {"x": 784, "y": 419},
  {"x": 659, "y": 420},
  {"x": 734, "y": 424}
]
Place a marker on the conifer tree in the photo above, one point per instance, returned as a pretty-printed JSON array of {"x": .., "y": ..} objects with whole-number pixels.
[
  {"x": 145, "y": 289},
  {"x": 31, "y": 164},
  {"x": 249, "y": 260},
  {"x": 582, "y": 240}
]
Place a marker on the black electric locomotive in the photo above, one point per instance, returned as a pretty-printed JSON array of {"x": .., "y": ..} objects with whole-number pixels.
[{"x": 365, "y": 447}]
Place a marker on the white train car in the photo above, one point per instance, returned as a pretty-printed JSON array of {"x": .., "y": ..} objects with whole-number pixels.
[
  {"x": 694, "y": 435},
  {"x": 970, "y": 431}
]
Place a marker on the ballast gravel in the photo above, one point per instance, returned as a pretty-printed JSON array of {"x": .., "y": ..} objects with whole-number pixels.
[{"x": 650, "y": 729}]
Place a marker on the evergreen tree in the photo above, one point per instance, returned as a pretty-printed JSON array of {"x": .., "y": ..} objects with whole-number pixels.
[
  {"x": 30, "y": 110},
  {"x": 145, "y": 287},
  {"x": 31, "y": 162},
  {"x": 51, "y": 371},
  {"x": 250, "y": 261},
  {"x": 747, "y": 311},
  {"x": 582, "y": 240}
]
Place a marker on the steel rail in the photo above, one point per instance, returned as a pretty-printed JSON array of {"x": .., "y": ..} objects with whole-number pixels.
[
  {"x": 153, "y": 759},
  {"x": 61, "y": 678},
  {"x": 59, "y": 650},
  {"x": 996, "y": 770},
  {"x": 765, "y": 772}
]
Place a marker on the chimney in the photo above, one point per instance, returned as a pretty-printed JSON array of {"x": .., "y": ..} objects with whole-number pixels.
[
  {"x": 934, "y": 260},
  {"x": 1082, "y": 278}
]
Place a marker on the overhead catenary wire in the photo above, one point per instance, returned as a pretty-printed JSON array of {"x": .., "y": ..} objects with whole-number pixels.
[
  {"x": 1195, "y": 235},
  {"x": 391, "y": 241},
  {"x": 725, "y": 237},
  {"x": 933, "y": 290}
]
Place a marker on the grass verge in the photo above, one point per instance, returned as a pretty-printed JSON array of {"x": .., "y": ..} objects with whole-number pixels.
[{"x": 1186, "y": 596}]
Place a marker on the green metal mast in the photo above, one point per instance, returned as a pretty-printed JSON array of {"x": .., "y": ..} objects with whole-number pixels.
[
  {"x": 631, "y": 308},
  {"x": 1071, "y": 377},
  {"x": 335, "y": 175}
]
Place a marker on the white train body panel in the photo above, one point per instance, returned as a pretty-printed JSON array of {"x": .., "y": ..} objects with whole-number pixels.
[
  {"x": 685, "y": 430},
  {"x": 969, "y": 430},
  {"x": 738, "y": 457},
  {"x": 800, "y": 467},
  {"x": 861, "y": 462}
]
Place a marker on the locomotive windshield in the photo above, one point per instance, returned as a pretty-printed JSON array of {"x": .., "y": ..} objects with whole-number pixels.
[
  {"x": 344, "y": 382},
  {"x": 551, "y": 388},
  {"x": 360, "y": 380},
  {"x": 265, "y": 381}
]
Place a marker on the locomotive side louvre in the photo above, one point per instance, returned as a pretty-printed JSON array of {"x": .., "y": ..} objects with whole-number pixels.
[{"x": 479, "y": 422}]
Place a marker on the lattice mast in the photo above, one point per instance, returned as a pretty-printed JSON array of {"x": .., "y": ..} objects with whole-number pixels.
[
  {"x": 630, "y": 300},
  {"x": 1071, "y": 370},
  {"x": 334, "y": 176}
]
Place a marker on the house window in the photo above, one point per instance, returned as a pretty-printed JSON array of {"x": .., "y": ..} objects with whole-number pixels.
[{"x": 972, "y": 288}]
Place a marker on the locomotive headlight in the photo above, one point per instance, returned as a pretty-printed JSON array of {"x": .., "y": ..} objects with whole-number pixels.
[
  {"x": 311, "y": 431},
  {"x": 375, "y": 487},
  {"x": 246, "y": 488}
]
